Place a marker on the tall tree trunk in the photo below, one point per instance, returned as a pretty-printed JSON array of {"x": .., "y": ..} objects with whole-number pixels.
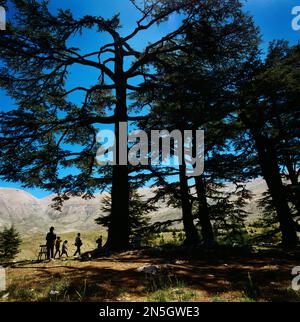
[
  {"x": 191, "y": 234},
  {"x": 119, "y": 228},
  {"x": 270, "y": 169},
  {"x": 203, "y": 210}
]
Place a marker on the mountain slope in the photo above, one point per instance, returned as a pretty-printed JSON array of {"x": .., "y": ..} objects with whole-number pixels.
[{"x": 31, "y": 215}]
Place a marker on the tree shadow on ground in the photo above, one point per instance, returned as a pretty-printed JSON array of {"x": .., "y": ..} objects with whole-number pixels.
[{"x": 263, "y": 276}]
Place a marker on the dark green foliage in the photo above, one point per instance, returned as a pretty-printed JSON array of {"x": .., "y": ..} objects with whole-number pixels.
[
  {"x": 139, "y": 208},
  {"x": 36, "y": 58},
  {"x": 9, "y": 243},
  {"x": 269, "y": 135},
  {"x": 206, "y": 74},
  {"x": 195, "y": 90},
  {"x": 229, "y": 221}
]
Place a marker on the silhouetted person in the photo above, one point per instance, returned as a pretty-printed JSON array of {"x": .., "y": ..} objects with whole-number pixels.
[
  {"x": 99, "y": 242},
  {"x": 57, "y": 247},
  {"x": 64, "y": 250},
  {"x": 50, "y": 238},
  {"x": 136, "y": 243},
  {"x": 78, "y": 244}
]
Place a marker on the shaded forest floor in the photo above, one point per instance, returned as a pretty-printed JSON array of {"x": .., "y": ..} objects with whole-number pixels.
[{"x": 264, "y": 275}]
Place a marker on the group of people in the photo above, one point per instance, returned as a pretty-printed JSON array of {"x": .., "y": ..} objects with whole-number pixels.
[
  {"x": 54, "y": 242},
  {"x": 55, "y": 246}
]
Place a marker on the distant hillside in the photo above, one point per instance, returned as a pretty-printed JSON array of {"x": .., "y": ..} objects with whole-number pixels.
[
  {"x": 33, "y": 215},
  {"x": 20, "y": 208}
]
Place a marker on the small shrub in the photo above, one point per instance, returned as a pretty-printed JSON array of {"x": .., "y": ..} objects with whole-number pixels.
[
  {"x": 20, "y": 293},
  {"x": 218, "y": 299},
  {"x": 9, "y": 244}
]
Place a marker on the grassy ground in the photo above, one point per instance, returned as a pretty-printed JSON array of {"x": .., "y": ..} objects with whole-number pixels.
[{"x": 262, "y": 276}]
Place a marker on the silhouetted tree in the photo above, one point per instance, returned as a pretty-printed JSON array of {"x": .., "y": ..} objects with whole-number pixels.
[
  {"x": 36, "y": 57},
  {"x": 268, "y": 110},
  {"x": 194, "y": 90}
]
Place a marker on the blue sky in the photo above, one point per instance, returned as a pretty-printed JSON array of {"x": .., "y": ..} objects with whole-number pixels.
[{"x": 272, "y": 16}]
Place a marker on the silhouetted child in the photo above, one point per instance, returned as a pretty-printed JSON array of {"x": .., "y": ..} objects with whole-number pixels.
[
  {"x": 57, "y": 247},
  {"x": 64, "y": 248}
]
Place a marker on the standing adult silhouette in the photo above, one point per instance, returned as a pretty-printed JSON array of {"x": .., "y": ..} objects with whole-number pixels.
[
  {"x": 78, "y": 244},
  {"x": 50, "y": 238}
]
